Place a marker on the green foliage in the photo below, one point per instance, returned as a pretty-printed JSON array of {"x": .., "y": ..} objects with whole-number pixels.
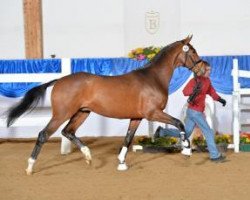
[
  {"x": 162, "y": 141},
  {"x": 222, "y": 139}
]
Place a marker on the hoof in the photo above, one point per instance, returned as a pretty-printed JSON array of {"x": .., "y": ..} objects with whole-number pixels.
[
  {"x": 89, "y": 162},
  {"x": 28, "y": 172},
  {"x": 86, "y": 152},
  {"x": 31, "y": 163},
  {"x": 185, "y": 143},
  {"x": 186, "y": 151},
  {"x": 64, "y": 153},
  {"x": 122, "y": 167},
  {"x": 88, "y": 159}
]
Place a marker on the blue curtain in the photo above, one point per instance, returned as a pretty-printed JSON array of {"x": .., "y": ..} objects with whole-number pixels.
[
  {"x": 220, "y": 76},
  {"x": 221, "y": 67},
  {"x": 25, "y": 66},
  {"x": 106, "y": 66}
]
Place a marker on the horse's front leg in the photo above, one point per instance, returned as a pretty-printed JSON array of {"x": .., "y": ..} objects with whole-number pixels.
[
  {"x": 133, "y": 125},
  {"x": 168, "y": 119}
]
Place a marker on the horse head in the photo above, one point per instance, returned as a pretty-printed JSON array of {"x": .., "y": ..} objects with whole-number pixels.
[{"x": 190, "y": 59}]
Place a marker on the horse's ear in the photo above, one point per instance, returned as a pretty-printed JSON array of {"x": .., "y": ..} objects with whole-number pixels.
[{"x": 188, "y": 39}]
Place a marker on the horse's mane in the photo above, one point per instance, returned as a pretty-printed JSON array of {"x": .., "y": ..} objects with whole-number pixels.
[{"x": 160, "y": 54}]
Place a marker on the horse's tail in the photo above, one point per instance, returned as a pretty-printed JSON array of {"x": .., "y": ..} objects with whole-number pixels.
[{"x": 29, "y": 102}]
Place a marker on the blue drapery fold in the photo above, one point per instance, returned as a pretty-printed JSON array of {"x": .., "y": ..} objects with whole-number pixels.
[
  {"x": 106, "y": 66},
  {"x": 220, "y": 73},
  {"x": 221, "y": 69},
  {"x": 25, "y": 66}
]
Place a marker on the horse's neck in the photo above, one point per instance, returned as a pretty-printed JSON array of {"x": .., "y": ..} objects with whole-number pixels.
[
  {"x": 165, "y": 76},
  {"x": 164, "y": 71}
]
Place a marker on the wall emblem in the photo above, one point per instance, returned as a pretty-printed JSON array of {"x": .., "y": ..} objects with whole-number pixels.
[{"x": 152, "y": 22}]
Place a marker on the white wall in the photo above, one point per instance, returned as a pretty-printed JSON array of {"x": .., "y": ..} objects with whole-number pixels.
[
  {"x": 83, "y": 28},
  {"x": 135, "y": 22},
  {"x": 219, "y": 27},
  {"x": 11, "y": 30},
  {"x": 111, "y": 28}
]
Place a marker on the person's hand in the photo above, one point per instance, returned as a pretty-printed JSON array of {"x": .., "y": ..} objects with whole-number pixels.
[{"x": 222, "y": 101}]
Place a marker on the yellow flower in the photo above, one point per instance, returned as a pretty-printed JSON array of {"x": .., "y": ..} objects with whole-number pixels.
[
  {"x": 150, "y": 56},
  {"x": 131, "y": 55},
  {"x": 222, "y": 138},
  {"x": 139, "y": 50},
  {"x": 173, "y": 140}
]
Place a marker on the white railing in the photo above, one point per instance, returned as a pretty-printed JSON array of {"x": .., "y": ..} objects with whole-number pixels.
[
  {"x": 238, "y": 105},
  {"x": 39, "y": 77},
  {"x": 39, "y": 119}
]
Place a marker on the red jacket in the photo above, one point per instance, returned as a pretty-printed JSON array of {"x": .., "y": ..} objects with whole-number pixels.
[{"x": 206, "y": 88}]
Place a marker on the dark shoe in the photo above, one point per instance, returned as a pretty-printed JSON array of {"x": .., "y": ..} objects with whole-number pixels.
[
  {"x": 157, "y": 132},
  {"x": 220, "y": 159}
]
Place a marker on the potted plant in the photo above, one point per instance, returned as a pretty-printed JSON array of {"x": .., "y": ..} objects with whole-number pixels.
[
  {"x": 222, "y": 141},
  {"x": 245, "y": 141},
  {"x": 199, "y": 143}
]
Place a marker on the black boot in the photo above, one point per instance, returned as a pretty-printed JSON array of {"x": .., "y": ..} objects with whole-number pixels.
[
  {"x": 157, "y": 132},
  {"x": 220, "y": 159}
]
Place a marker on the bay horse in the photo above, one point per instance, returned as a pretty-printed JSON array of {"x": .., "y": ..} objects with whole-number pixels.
[{"x": 140, "y": 94}]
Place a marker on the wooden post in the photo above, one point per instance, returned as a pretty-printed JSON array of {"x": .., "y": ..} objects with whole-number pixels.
[{"x": 32, "y": 10}]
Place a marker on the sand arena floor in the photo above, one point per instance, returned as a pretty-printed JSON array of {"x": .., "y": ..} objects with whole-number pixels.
[{"x": 157, "y": 176}]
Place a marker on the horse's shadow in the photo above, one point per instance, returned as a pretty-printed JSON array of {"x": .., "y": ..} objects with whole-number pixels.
[
  {"x": 97, "y": 157},
  {"x": 57, "y": 164},
  {"x": 138, "y": 163}
]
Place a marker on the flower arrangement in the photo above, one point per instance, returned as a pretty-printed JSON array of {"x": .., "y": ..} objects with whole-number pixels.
[
  {"x": 219, "y": 139},
  {"x": 199, "y": 140},
  {"x": 223, "y": 139},
  {"x": 143, "y": 53},
  {"x": 244, "y": 138},
  {"x": 162, "y": 141},
  {"x": 162, "y": 144},
  {"x": 245, "y": 142},
  {"x": 200, "y": 143}
]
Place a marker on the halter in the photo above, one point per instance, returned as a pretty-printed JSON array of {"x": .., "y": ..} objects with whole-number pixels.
[
  {"x": 185, "y": 48},
  {"x": 194, "y": 62}
]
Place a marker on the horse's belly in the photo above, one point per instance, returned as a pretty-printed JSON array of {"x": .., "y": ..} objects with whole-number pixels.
[{"x": 118, "y": 111}]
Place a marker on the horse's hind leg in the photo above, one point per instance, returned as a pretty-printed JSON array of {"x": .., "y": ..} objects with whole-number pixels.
[
  {"x": 70, "y": 129},
  {"x": 133, "y": 125},
  {"x": 42, "y": 138},
  {"x": 168, "y": 119}
]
